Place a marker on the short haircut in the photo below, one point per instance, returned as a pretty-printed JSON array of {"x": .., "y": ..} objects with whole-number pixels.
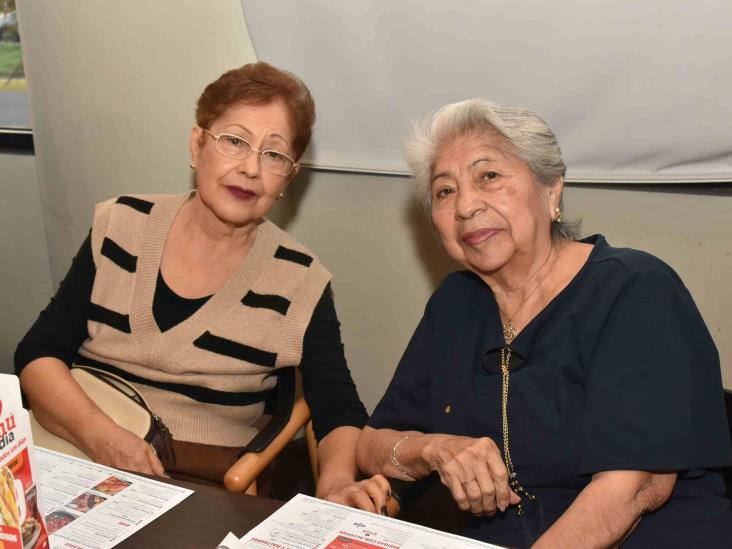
[
  {"x": 518, "y": 131},
  {"x": 260, "y": 84}
]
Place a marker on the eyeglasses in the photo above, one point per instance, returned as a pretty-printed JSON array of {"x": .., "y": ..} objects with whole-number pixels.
[{"x": 233, "y": 146}]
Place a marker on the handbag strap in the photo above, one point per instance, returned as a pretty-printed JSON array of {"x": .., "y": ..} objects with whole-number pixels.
[{"x": 122, "y": 385}]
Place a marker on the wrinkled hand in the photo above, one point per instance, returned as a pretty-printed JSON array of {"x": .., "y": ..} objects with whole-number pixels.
[
  {"x": 473, "y": 471},
  {"x": 117, "y": 447},
  {"x": 370, "y": 494}
]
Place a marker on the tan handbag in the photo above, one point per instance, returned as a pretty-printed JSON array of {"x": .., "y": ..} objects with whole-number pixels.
[{"x": 120, "y": 401}]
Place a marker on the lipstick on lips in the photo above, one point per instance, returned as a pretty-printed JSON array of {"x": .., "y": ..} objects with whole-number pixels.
[
  {"x": 473, "y": 238},
  {"x": 239, "y": 193}
]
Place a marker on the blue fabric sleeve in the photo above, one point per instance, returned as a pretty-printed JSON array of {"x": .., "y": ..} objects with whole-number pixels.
[{"x": 654, "y": 391}]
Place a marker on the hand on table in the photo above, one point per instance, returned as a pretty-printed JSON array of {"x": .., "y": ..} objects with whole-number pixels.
[
  {"x": 473, "y": 471},
  {"x": 370, "y": 494}
]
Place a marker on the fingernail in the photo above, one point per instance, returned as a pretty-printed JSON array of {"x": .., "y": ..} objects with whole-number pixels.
[{"x": 383, "y": 510}]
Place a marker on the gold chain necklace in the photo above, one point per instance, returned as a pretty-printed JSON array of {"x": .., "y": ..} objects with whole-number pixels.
[
  {"x": 509, "y": 330},
  {"x": 512, "y": 478}
]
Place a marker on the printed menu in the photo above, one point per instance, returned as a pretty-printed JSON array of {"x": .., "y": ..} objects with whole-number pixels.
[
  {"x": 91, "y": 506},
  {"x": 309, "y": 523}
]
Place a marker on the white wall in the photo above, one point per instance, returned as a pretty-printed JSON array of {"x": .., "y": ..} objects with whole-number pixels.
[
  {"x": 25, "y": 277},
  {"x": 650, "y": 80}
]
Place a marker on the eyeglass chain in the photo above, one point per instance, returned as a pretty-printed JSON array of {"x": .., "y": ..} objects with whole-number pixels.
[{"x": 512, "y": 478}]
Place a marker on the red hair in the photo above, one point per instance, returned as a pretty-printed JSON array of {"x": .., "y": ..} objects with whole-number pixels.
[{"x": 260, "y": 84}]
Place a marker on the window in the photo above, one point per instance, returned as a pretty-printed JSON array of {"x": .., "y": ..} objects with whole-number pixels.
[{"x": 15, "y": 121}]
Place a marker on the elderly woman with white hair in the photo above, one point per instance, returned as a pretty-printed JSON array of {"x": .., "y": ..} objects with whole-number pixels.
[{"x": 566, "y": 392}]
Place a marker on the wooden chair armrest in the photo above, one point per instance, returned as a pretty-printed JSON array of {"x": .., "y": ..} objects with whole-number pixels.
[
  {"x": 312, "y": 445},
  {"x": 248, "y": 467}
]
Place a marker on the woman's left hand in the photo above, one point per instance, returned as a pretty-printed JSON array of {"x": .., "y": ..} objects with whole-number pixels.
[{"x": 371, "y": 494}]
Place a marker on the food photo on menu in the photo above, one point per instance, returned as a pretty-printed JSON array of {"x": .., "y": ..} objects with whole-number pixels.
[
  {"x": 86, "y": 502},
  {"x": 11, "y": 510},
  {"x": 8, "y": 501},
  {"x": 112, "y": 486},
  {"x": 58, "y": 519}
]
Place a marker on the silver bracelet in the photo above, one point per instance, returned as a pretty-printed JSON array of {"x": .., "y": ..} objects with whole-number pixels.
[{"x": 395, "y": 460}]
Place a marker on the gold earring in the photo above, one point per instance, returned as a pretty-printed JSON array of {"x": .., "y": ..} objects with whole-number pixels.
[{"x": 557, "y": 215}]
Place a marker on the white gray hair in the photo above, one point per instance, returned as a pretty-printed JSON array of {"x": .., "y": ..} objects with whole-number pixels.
[{"x": 519, "y": 131}]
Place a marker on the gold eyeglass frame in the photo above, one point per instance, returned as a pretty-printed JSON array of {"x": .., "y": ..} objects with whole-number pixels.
[{"x": 251, "y": 149}]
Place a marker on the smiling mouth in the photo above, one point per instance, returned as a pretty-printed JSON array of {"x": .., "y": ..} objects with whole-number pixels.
[
  {"x": 474, "y": 238},
  {"x": 241, "y": 194}
]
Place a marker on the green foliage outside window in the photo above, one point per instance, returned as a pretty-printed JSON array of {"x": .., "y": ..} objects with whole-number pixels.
[
  {"x": 12, "y": 75},
  {"x": 11, "y": 65}
]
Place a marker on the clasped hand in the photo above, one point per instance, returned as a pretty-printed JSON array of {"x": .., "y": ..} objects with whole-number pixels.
[
  {"x": 473, "y": 471},
  {"x": 371, "y": 494}
]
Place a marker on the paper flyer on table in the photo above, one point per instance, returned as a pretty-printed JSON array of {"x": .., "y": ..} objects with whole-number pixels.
[
  {"x": 230, "y": 542},
  {"x": 90, "y": 506},
  {"x": 309, "y": 523}
]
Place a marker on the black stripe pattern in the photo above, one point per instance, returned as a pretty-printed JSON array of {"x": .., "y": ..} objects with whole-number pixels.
[
  {"x": 276, "y": 303},
  {"x": 118, "y": 255},
  {"x": 116, "y": 320},
  {"x": 142, "y": 206},
  {"x": 293, "y": 255},
  {"x": 233, "y": 349},
  {"x": 199, "y": 394}
]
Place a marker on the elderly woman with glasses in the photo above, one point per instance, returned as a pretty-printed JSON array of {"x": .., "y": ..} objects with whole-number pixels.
[
  {"x": 197, "y": 299},
  {"x": 566, "y": 392}
]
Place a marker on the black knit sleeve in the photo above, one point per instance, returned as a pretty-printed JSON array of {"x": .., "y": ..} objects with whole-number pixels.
[
  {"x": 62, "y": 325},
  {"x": 327, "y": 384}
]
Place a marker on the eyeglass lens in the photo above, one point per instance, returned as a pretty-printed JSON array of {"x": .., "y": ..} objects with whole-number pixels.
[{"x": 236, "y": 147}]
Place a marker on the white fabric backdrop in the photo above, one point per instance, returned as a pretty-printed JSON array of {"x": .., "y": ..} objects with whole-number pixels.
[{"x": 635, "y": 90}]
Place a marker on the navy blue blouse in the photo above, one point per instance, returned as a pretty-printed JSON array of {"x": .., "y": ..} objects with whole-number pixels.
[{"x": 617, "y": 372}]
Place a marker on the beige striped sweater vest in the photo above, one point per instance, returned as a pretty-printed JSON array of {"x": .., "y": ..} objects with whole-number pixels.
[{"x": 207, "y": 377}]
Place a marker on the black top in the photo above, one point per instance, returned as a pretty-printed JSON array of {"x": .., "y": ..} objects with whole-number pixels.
[
  {"x": 617, "y": 372},
  {"x": 327, "y": 385}
]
